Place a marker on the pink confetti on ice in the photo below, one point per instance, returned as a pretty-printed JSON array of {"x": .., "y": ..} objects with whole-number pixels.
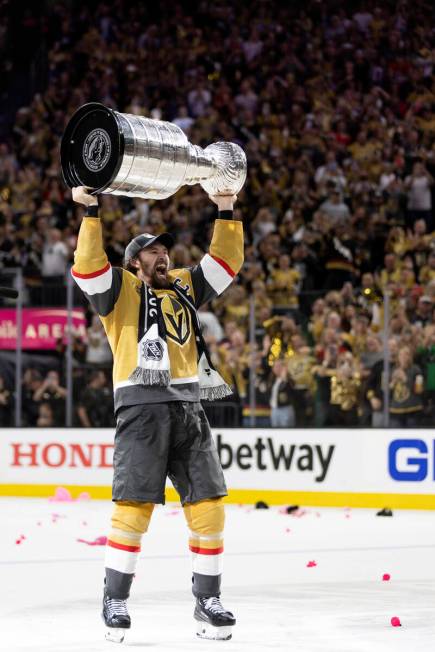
[
  {"x": 39, "y": 523},
  {"x": 61, "y": 495},
  {"x": 318, "y": 514},
  {"x": 18, "y": 541},
  {"x": 84, "y": 522},
  {"x": 311, "y": 564},
  {"x": 99, "y": 541},
  {"x": 174, "y": 512},
  {"x": 386, "y": 577},
  {"x": 347, "y": 516},
  {"x": 287, "y": 529},
  {"x": 395, "y": 622}
]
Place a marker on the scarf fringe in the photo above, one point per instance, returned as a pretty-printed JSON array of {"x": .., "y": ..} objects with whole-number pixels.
[
  {"x": 214, "y": 393},
  {"x": 142, "y": 376}
]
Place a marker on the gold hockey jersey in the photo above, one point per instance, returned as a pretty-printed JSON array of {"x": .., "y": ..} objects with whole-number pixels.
[{"x": 115, "y": 295}]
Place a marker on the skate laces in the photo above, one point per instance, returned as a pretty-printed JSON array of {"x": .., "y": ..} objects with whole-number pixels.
[
  {"x": 214, "y": 605},
  {"x": 116, "y": 607}
]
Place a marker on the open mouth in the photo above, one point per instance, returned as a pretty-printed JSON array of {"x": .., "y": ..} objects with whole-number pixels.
[{"x": 161, "y": 269}]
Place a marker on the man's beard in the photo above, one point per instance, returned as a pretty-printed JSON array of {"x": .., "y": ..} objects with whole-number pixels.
[{"x": 158, "y": 281}]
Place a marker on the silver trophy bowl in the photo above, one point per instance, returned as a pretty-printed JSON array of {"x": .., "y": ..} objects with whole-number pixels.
[{"x": 124, "y": 154}]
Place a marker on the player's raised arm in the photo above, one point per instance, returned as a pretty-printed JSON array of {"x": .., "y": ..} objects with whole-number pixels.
[
  {"x": 92, "y": 270},
  {"x": 225, "y": 257}
]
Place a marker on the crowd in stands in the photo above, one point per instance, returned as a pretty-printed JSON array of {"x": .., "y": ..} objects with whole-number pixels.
[{"x": 334, "y": 104}]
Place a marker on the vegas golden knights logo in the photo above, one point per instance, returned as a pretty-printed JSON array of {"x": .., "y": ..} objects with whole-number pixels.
[{"x": 177, "y": 320}]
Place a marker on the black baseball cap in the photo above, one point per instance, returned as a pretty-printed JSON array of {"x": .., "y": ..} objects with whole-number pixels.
[{"x": 146, "y": 240}]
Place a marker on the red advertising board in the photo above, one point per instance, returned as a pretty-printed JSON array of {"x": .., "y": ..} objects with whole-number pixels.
[{"x": 42, "y": 327}]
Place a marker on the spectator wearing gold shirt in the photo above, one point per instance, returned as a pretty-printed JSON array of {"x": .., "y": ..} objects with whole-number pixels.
[
  {"x": 391, "y": 271},
  {"x": 280, "y": 331},
  {"x": 357, "y": 338},
  {"x": 427, "y": 272},
  {"x": 299, "y": 364},
  {"x": 233, "y": 306},
  {"x": 345, "y": 390},
  {"x": 283, "y": 284},
  {"x": 317, "y": 319},
  {"x": 419, "y": 243},
  {"x": 234, "y": 369},
  {"x": 370, "y": 299}
]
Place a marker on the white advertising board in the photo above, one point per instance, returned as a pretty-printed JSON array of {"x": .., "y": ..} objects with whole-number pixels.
[{"x": 318, "y": 467}]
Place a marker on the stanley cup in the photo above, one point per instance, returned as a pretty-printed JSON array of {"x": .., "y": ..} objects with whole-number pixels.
[{"x": 123, "y": 154}]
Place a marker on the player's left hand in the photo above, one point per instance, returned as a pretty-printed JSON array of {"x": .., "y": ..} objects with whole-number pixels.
[{"x": 224, "y": 202}]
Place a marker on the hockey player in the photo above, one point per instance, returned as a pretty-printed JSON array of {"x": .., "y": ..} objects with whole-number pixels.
[{"x": 161, "y": 370}]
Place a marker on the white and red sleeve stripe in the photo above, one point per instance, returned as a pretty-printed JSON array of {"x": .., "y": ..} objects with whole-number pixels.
[
  {"x": 95, "y": 282},
  {"x": 217, "y": 272}
]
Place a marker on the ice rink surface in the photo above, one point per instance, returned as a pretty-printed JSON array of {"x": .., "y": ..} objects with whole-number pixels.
[{"x": 51, "y": 584}]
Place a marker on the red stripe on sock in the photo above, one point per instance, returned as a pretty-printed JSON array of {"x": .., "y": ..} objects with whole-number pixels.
[
  {"x": 206, "y": 551},
  {"x": 92, "y": 274},
  {"x": 121, "y": 546},
  {"x": 223, "y": 264}
]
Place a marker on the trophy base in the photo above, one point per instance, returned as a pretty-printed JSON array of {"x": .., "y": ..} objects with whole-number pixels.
[{"x": 92, "y": 148}]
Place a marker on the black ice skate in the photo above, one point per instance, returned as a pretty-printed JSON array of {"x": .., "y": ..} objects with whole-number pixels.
[
  {"x": 213, "y": 621},
  {"x": 116, "y": 618}
]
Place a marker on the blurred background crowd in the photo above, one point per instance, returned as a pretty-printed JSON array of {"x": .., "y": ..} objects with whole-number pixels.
[{"x": 334, "y": 104}]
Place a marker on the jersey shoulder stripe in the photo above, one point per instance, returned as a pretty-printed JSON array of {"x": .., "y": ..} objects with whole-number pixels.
[
  {"x": 103, "y": 290},
  {"x": 99, "y": 272},
  {"x": 225, "y": 265},
  {"x": 95, "y": 282},
  {"x": 215, "y": 273}
]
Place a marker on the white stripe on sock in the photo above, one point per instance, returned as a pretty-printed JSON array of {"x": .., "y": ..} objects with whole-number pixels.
[
  {"x": 121, "y": 560},
  {"x": 207, "y": 564}
]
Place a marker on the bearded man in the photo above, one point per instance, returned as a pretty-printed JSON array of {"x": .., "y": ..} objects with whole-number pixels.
[{"x": 161, "y": 371}]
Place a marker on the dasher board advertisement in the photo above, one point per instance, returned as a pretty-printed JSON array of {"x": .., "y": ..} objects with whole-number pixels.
[{"x": 336, "y": 467}]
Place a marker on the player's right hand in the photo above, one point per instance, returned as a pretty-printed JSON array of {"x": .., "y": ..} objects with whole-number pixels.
[{"x": 81, "y": 195}]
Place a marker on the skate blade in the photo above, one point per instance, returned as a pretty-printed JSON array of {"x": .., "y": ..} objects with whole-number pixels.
[
  {"x": 205, "y": 630},
  {"x": 115, "y": 634}
]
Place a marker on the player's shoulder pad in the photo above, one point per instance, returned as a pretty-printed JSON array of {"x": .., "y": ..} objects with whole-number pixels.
[{"x": 130, "y": 280}]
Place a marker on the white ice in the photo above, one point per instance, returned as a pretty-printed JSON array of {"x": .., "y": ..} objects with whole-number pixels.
[{"x": 51, "y": 585}]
